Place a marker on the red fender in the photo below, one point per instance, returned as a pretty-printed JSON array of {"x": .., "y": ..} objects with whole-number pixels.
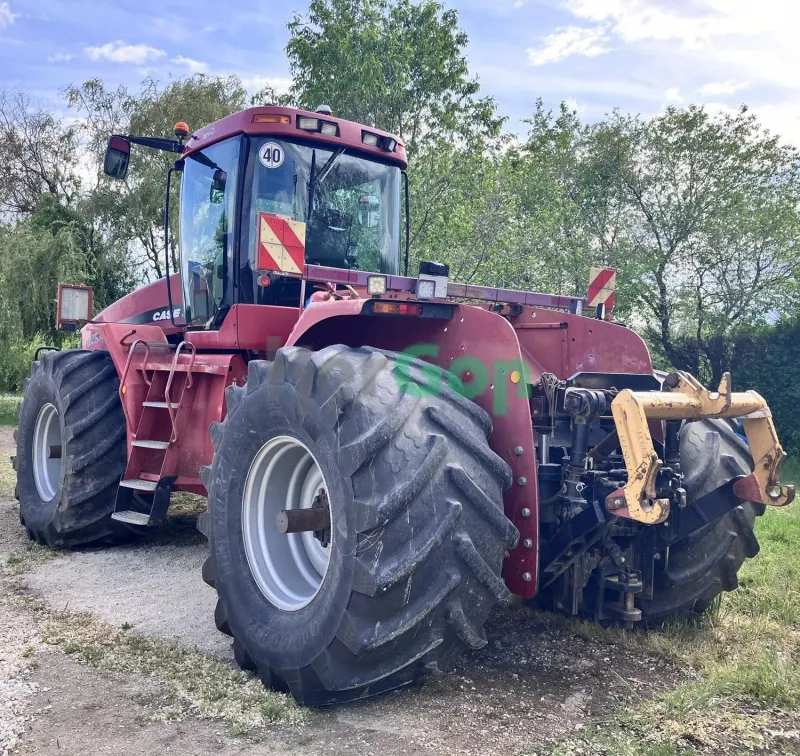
[{"x": 474, "y": 341}]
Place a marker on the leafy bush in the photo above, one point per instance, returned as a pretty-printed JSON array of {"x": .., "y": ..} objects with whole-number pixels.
[
  {"x": 16, "y": 356},
  {"x": 767, "y": 361},
  {"x": 8, "y": 409}
]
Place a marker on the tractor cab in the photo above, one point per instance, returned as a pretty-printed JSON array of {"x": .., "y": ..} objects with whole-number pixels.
[{"x": 266, "y": 192}]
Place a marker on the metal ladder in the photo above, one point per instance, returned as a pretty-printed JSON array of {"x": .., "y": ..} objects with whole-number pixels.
[{"x": 149, "y": 448}]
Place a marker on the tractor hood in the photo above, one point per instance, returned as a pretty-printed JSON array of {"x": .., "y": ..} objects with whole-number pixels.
[{"x": 148, "y": 304}]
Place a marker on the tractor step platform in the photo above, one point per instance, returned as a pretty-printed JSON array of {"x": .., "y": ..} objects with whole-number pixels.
[
  {"x": 146, "y": 444},
  {"x": 139, "y": 484},
  {"x": 132, "y": 517},
  {"x": 161, "y": 405},
  {"x": 136, "y": 492}
]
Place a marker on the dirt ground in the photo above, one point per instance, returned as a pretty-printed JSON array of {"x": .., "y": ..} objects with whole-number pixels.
[{"x": 527, "y": 689}]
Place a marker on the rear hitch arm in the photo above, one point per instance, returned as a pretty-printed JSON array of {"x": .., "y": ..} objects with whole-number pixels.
[{"x": 687, "y": 399}]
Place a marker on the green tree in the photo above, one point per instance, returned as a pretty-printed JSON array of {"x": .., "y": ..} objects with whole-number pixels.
[
  {"x": 56, "y": 244},
  {"x": 713, "y": 230},
  {"x": 698, "y": 213},
  {"x": 38, "y": 156},
  {"x": 573, "y": 175},
  {"x": 399, "y": 65},
  {"x": 105, "y": 268},
  {"x": 765, "y": 359}
]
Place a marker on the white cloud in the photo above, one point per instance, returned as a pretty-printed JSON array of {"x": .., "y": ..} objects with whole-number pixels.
[
  {"x": 7, "y": 17},
  {"x": 712, "y": 48},
  {"x": 781, "y": 118},
  {"x": 639, "y": 20},
  {"x": 573, "y": 104},
  {"x": 60, "y": 58},
  {"x": 194, "y": 66},
  {"x": 567, "y": 41},
  {"x": 119, "y": 52},
  {"x": 673, "y": 94},
  {"x": 714, "y": 88},
  {"x": 255, "y": 84}
]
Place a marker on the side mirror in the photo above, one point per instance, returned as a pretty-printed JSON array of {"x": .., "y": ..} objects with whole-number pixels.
[
  {"x": 369, "y": 211},
  {"x": 217, "y": 194},
  {"x": 74, "y": 306},
  {"x": 118, "y": 155}
]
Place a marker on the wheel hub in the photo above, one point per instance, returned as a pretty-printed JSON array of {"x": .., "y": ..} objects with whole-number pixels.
[
  {"x": 288, "y": 568},
  {"x": 47, "y": 452}
]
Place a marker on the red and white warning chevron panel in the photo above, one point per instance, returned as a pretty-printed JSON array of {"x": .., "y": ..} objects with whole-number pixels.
[
  {"x": 602, "y": 282},
  {"x": 281, "y": 244}
]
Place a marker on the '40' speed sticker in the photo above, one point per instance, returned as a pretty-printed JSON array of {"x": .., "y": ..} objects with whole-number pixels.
[{"x": 271, "y": 155}]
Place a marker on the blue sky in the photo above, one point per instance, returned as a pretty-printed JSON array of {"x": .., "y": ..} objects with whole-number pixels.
[{"x": 639, "y": 55}]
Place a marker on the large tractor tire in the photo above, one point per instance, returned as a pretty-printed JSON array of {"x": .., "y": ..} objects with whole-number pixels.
[
  {"x": 701, "y": 566},
  {"x": 410, "y": 568},
  {"x": 71, "y": 450}
]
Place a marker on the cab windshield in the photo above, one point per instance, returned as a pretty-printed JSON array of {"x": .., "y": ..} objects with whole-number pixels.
[{"x": 350, "y": 205}]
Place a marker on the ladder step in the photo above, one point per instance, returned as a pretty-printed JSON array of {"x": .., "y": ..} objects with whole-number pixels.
[
  {"x": 183, "y": 367},
  {"x": 131, "y": 517},
  {"x": 145, "y": 444},
  {"x": 161, "y": 405},
  {"x": 139, "y": 484}
]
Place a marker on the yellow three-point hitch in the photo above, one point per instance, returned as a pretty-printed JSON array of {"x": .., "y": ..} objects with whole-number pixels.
[{"x": 685, "y": 398}]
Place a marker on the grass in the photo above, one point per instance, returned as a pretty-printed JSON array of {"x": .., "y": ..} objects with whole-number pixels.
[
  {"x": 184, "y": 504},
  {"x": 745, "y": 655},
  {"x": 8, "y": 478},
  {"x": 26, "y": 558},
  {"x": 193, "y": 683},
  {"x": 8, "y": 408},
  {"x": 790, "y": 472},
  {"x": 190, "y": 682}
]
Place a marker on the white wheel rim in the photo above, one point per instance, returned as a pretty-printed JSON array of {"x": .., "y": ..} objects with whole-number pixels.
[
  {"x": 47, "y": 469},
  {"x": 288, "y": 568}
]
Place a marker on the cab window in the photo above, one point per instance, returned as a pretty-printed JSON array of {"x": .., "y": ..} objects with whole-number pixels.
[
  {"x": 350, "y": 206},
  {"x": 208, "y": 212}
]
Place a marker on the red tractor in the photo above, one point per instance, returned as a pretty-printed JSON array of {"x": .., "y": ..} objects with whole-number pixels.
[{"x": 385, "y": 457}]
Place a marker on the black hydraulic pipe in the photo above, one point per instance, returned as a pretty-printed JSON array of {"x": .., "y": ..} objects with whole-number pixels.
[
  {"x": 672, "y": 453},
  {"x": 605, "y": 448},
  {"x": 580, "y": 443}
]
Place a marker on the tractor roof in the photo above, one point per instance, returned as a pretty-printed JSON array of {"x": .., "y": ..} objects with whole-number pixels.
[{"x": 284, "y": 122}]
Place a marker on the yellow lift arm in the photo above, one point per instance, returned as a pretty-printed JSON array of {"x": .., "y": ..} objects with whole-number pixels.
[{"x": 685, "y": 398}]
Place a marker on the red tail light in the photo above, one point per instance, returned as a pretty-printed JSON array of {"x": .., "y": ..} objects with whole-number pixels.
[{"x": 396, "y": 308}]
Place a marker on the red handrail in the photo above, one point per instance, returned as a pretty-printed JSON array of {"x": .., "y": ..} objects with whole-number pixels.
[
  {"x": 125, "y": 376},
  {"x": 174, "y": 435}
]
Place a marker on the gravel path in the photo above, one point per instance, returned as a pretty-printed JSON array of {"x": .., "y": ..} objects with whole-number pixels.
[
  {"x": 18, "y": 643},
  {"x": 154, "y": 585},
  {"x": 18, "y": 636}
]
